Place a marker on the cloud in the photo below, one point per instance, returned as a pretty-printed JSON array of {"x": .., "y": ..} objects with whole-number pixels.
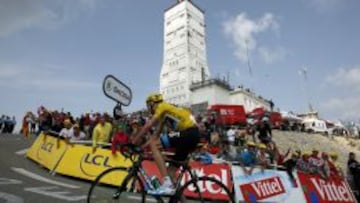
[
  {"x": 344, "y": 82},
  {"x": 325, "y": 5},
  {"x": 243, "y": 31},
  {"x": 343, "y": 108},
  {"x": 19, "y": 15},
  {"x": 45, "y": 78},
  {"x": 272, "y": 55},
  {"x": 349, "y": 78}
]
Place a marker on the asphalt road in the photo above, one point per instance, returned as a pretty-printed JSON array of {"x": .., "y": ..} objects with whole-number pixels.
[{"x": 22, "y": 180}]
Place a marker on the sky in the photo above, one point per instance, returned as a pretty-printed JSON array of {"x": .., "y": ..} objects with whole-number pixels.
[{"x": 56, "y": 53}]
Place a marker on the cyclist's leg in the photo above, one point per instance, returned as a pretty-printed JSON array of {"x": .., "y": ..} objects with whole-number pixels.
[{"x": 158, "y": 158}]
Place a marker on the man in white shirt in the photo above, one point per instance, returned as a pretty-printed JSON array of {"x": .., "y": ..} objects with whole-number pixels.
[
  {"x": 76, "y": 134},
  {"x": 66, "y": 131}
]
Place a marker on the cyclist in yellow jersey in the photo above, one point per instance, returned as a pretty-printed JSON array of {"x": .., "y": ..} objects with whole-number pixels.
[{"x": 180, "y": 120}]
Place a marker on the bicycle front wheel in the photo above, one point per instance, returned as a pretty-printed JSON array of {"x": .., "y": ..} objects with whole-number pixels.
[
  {"x": 116, "y": 185},
  {"x": 197, "y": 190}
]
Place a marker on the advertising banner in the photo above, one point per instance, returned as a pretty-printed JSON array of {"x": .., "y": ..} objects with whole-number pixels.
[
  {"x": 319, "y": 190},
  {"x": 266, "y": 186},
  {"x": 79, "y": 161},
  {"x": 47, "y": 151},
  {"x": 208, "y": 190}
]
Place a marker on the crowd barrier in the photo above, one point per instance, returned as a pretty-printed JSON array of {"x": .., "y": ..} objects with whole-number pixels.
[{"x": 78, "y": 160}]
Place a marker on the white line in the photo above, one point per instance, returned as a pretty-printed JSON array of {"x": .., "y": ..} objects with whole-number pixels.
[
  {"x": 21, "y": 152},
  {"x": 10, "y": 198},
  {"x": 139, "y": 198},
  {"x": 40, "y": 178}
]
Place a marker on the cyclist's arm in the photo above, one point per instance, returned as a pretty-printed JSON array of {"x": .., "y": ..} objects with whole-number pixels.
[
  {"x": 159, "y": 129},
  {"x": 145, "y": 128}
]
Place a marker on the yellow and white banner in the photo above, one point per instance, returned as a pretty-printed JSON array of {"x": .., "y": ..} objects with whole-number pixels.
[
  {"x": 47, "y": 150},
  {"x": 81, "y": 162}
]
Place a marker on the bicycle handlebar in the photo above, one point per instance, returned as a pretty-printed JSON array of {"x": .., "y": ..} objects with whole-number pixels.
[{"x": 130, "y": 150}]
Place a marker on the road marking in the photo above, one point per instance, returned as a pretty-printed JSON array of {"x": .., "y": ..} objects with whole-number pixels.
[
  {"x": 8, "y": 181},
  {"x": 21, "y": 152},
  {"x": 140, "y": 198},
  {"x": 49, "y": 191},
  {"x": 10, "y": 198},
  {"x": 40, "y": 178}
]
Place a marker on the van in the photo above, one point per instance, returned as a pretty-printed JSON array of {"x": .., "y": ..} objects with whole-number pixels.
[{"x": 227, "y": 115}]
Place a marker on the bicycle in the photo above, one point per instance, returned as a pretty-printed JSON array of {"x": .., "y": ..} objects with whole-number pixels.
[{"x": 136, "y": 182}]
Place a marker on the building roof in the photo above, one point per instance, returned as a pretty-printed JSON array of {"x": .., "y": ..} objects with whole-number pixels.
[
  {"x": 206, "y": 83},
  {"x": 178, "y": 2}
]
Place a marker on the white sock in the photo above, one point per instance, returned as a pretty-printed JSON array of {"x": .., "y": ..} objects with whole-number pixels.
[{"x": 167, "y": 181}]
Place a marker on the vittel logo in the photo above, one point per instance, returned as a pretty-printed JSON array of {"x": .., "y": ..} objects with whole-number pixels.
[
  {"x": 330, "y": 191},
  {"x": 209, "y": 186},
  {"x": 268, "y": 187}
]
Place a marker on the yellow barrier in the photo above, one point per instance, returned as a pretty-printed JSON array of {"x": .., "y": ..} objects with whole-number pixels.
[
  {"x": 79, "y": 161},
  {"x": 47, "y": 151}
]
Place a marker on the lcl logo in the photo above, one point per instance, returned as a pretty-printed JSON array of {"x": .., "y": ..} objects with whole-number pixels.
[
  {"x": 47, "y": 146},
  {"x": 97, "y": 160}
]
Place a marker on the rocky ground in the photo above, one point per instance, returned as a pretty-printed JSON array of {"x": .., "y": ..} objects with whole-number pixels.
[{"x": 307, "y": 142}]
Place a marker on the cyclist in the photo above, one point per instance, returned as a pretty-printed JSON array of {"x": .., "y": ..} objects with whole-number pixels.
[{"x": 184, "y": 142}]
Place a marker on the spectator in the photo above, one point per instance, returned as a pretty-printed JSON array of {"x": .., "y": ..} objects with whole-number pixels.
[
  {"x": 101, "y": 132},
  {"x": 290, "y": 165},
  {"x": 247, "y": 158},
  {"x": 263, "y": 158},
  {"x": 335, "y": 166},
  {"x": 76, "y": 134},
  {"x": 120, "y": 137},
  {"x": 203, "y": 156},
  {"x": 66, "y": 130},
  {"x": 354, "y": 174},
  {"x": 264, "y": 131}
]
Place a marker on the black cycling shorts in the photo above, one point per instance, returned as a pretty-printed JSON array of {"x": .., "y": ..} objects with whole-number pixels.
[{"x": 185, "y": 143}]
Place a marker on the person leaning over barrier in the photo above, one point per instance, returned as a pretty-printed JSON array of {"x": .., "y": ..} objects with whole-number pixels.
[
  {"x": 101, "y": 133},
  {"x": 263, "y": 157},
  {"x": 247, "y": 158}
]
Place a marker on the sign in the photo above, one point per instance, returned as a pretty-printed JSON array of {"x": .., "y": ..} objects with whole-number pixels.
[
  {"x": 116, "y": 90},
  {"x": 267, "y": 186},
  {"x": 117, "y": 112},
  {"x": 208, "y": 190},
  {"x": 47, "y": 151},
  {"x": 79, "y": 161},
  {"x": 334, "y": 189}
]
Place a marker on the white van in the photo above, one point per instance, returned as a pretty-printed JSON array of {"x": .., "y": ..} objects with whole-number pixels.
[{"x": 315, "y": 126}]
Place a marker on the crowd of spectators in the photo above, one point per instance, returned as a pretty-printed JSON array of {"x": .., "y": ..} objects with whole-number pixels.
[
  {"x": 249, "y": 147},
  {"x": 7, "y": 124}
]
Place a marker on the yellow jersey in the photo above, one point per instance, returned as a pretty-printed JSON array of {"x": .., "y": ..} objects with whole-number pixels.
[{"x": 180, "y": 119}]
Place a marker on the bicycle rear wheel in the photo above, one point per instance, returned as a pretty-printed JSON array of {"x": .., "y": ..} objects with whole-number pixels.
[
  {"x": 129, "y": 187},
  {"x": 219, "y": 192}
]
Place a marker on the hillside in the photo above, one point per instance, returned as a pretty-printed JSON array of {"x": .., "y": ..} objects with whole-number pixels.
[{"x": 307, "y": 142}]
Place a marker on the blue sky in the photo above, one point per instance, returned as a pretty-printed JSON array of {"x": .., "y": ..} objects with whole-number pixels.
[{"x": 56, "y": 53}]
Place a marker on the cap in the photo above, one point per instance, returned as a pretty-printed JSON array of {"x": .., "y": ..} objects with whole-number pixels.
[
  {"x": 251, "y": 144},
  {"x": 67, "y": 121},
  {"x": 261, "y": 146}
]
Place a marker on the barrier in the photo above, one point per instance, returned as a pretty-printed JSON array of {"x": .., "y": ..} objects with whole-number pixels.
[
  {"x": 333, "y": 189},
  {"x": 79, "y": 161},
  {"x": 208, "y": 190},
  {"x": 267, "y": 186},
  {"x": 47, "y": 151}
]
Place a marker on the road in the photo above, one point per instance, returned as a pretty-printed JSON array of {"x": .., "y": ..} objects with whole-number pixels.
[{"x": 22, "y": 180}]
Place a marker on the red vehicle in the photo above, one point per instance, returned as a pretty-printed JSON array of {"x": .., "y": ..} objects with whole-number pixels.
[
  {"x": 228, "y": 114},
  {"x": 257, "y": 114}
]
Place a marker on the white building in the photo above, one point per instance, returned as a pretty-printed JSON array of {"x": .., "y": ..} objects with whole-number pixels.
[
  {"x": 185, "y": 77},
  {"x": 215, "y": 91},
  {"x": 184, "y": 60}
]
